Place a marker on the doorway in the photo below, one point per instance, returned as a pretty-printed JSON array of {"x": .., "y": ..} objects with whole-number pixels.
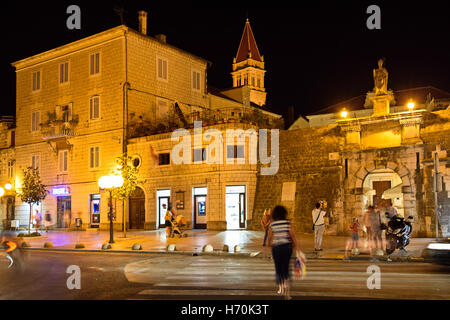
[
  {"x": 137, "y": 210},
  {"x": 200, "y": 210},
  {"x": 64, "y": 212},
  {"x": 163, "y": 201},
  {"x": 236, "y": 211}
]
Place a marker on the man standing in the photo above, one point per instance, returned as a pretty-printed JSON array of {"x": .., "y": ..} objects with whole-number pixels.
[
  {"x": 318, "y": 226},
  {"x": 392, "y": 211},
  {"x": 265, "y": 223}
]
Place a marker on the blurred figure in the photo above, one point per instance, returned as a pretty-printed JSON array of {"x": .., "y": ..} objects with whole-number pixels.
[
  {"x": 283, "y": 241},
  {"x": 373, "y": 225},
  {"x": 391, "y": 211},
  {"x": 47, "y": 220},
  {"x": 354, "y": 227},
  {"x": 37, "y": 219},
  {"x": 318, "y": 226},
  {"x": 265, "y": 223}
]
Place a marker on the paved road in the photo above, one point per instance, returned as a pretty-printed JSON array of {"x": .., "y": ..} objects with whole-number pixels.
[{"x": 165, "y": 277}]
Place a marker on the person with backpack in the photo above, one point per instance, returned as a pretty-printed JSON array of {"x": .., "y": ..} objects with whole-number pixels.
[{"x": 318, "y": 226}]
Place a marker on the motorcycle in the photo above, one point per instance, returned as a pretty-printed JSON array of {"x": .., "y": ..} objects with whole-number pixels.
[{"x": 398, "y": 234}]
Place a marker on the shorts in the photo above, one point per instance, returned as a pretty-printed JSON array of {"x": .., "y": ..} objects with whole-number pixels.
[
  {"x": 355, "y": 236},
  {"x": 168, "y": 224}
]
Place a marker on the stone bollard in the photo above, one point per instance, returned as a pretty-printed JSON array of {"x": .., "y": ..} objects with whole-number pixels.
[
  {"x": 48, "y": 245},
  {"x": 237, "y": 249},
  {"x": 208, "y": 248},
  {"x": 171, "y": 248},
  {"x": 226, "y": 248},
  {"x": 80, "y": 246},
  {"x": 106, "y": 246},
  {"x": 137, "y": 247}
]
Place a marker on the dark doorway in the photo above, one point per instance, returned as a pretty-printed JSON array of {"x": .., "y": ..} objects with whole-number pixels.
[
  {"x": 200, "y": 216},
  {"x": 137, "y": 209},
  {"x": 64, "y": 212}
]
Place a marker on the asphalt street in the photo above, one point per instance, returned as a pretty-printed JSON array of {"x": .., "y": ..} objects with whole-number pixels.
[{"x": 180, "y": 277}]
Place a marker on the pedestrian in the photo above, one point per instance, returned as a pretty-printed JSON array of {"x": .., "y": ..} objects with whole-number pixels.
[
  {"x": 373, "y": 224},
  {"x": 283, "y": 241},
  {"x": 169, "y": 219},
  {"x": 354, "y": 227},
  {"x": 265, "y": 223},
  {"x": 391, "y": 211},
  {"x": 47, "y": 220},
  {"x": 38, "y": 219},
  {"x": 318, "y": 226}
]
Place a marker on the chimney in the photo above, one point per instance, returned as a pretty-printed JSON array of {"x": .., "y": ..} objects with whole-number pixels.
[
  {"x": 143, "y": 22},
  {"x": 161, "y": 37}
]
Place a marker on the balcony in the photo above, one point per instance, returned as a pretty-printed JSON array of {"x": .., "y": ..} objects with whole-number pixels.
[{"x": 58, "y": 130}]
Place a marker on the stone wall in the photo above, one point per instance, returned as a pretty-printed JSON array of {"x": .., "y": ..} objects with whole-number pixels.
[{"x": 310, "y": 158}]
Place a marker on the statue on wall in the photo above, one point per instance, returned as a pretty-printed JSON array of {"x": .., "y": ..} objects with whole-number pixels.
[{"x": 381, "y": 77}]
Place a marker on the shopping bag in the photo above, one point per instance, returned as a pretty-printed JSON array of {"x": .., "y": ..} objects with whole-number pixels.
[{"x": 300, "y": 266}]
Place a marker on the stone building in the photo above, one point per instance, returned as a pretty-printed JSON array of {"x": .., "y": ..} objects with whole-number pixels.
[
  {"x": 370, "y": 150},
  {"x": 7, "y": 170},
  {"x": 82, "y": 105}
]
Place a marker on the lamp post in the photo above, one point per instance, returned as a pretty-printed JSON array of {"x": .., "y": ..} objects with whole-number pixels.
[{"x": 109, "y": 183}]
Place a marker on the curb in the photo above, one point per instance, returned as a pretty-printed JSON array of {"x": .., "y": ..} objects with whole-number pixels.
[{"x": 230, "y": 254}]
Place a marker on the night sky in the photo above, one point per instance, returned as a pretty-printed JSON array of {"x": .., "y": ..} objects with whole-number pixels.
[{"x": 316, "y": 55}]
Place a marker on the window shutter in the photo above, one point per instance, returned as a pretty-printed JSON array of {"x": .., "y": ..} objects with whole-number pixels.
[
  {"x": 66, "y": 76},
  {"x": 92, "y": 64},
  {"x": 91, "y": 157},
  {"x": 61, "y": 73},
  {"x": 97, "y": 63},
  {"x": 97, "y": 157},
  {"x": 38, "y": 80}
]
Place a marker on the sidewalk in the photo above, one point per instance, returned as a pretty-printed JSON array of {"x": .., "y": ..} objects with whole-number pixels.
[{"x": 250, "y": 243}]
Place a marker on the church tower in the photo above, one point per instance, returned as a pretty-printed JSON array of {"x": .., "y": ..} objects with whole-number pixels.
[{"x": 248, "y": 67}]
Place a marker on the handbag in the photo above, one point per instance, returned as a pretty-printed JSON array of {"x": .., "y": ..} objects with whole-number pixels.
[
  {"x": 300, "y": 266},
  {"x": 318, "y": 216}
]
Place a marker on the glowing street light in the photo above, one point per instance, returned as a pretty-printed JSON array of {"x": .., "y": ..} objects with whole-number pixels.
[
  {"x": 411, "y": 106},
  {"x": 344, "y": 114},
  {"x": 2, "y": 192},
  {"x": 8, "y": 186},
  {"x": 108, "y": 183}
]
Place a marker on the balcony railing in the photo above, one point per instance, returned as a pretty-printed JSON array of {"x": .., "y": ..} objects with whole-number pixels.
[{"x": 58, "y": 131}]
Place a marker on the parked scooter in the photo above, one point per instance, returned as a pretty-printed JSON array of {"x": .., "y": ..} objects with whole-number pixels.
[{"x": 398, "y": 234}]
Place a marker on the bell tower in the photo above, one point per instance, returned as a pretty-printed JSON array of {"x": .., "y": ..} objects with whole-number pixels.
[{"x": 248, "y": 67}]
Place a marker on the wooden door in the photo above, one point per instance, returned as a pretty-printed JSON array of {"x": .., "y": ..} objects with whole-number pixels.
[
  {"x": 137, "y": 213},
  {"x": 380, "y": 187}
]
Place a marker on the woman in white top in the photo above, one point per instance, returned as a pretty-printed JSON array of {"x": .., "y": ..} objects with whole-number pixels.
[{"x": 283, "y": 241}]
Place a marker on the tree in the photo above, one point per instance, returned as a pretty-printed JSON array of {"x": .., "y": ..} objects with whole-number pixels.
[
  {"x": 129, "y": 173},
  {"x": 33, "y": 191}
]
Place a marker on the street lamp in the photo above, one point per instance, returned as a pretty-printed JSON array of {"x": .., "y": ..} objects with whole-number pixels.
[
  {"x": 8, "y": 186},
  {"x": 411, "y": 106},
  {"x": 344, "y": 114},
  {"x": 2, "y": 192},
  {"x": 108, "y": 183}
]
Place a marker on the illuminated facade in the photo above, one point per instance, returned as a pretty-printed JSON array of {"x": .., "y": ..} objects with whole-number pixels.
[{"x": 82, "y": 105}]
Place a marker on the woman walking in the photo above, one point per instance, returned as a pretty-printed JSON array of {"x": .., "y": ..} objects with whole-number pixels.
[{"x": 283, "y": 241}]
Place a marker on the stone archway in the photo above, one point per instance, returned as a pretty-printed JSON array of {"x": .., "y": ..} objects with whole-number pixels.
[
  {"x": 382, "y": 187},
  {"x": 137, "y": 209}
]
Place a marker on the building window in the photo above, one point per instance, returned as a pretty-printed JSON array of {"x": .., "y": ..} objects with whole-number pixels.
[
  {"x": 94, "y": 63},
  {"x": 63, "y": 161},
  {"x": 164, "y": 159},
  {"x": 239, "y": 81},
  {"x": 235, "y": 152},
  {"x": 10, "y": 169},
  {"x": 64, "y": 72},
  {"x": 35, "y": 162},
  {"x": 35, "y": 121},
  {"x": 37, "y": 81},
  {"x": 259, "y": 83},
  {"x": 199, "y": 155},
  {"x": 162, "y": 73},
  {"x": 253, "y": 81},
  {"x": 94, "y": 157},
  {"x": 196, "y": 86},
  {"x": 95, "y": 108}
]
